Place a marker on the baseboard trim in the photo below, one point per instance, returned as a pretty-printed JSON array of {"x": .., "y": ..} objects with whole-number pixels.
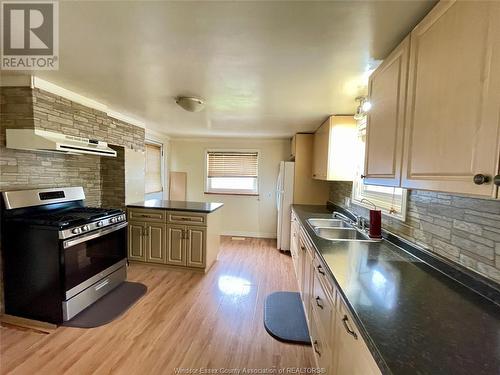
[{"x": 249, "y": 234}]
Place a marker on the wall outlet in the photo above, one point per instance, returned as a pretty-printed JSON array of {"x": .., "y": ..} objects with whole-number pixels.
[{"x": 347, "y": 201}]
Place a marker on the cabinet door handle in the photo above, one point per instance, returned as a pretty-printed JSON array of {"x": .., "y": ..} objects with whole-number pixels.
[
  {"x": 315, "y": 346},
  {"x": 187, "y": 234},
  {"x": 147, "y": 216},
  {"x": 318, "y": 303},
  {"x": 480, "y": 179},
  {"x": 320, "y": 270},
  {"x": 302, "y": 248},
  {"x": 183, "y": 235},
  {"x": 347, "y": 328}
]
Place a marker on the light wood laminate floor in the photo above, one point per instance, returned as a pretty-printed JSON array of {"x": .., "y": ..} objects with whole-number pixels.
[{"x": 186, "y": 320}]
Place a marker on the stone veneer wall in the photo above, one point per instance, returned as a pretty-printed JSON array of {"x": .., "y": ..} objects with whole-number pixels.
[
  {"x": 101, "y": 177},
  {"x": 112, "y": 172},
  {"x": 463, "y": 229}
]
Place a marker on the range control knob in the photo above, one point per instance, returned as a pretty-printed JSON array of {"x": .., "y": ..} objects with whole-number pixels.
[
  {"x": 76, "y": 231},
  {"x": 112, "y": 220},
  {"x": 99, "y": 224},
  {"x": 85, "y": 228}
]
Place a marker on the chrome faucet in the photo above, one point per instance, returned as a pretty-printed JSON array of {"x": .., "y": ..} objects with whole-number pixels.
[
  {"x": 341, "y": 216},
  {"x": 359, "y": 222}
]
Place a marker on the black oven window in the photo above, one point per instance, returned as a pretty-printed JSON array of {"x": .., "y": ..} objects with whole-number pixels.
[{"x": 87, "y": 259}]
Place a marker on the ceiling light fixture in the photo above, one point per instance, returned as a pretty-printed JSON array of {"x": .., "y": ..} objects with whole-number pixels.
[
  {"x": 363, "y": 107},
  {"x": 190, "y": 104}
]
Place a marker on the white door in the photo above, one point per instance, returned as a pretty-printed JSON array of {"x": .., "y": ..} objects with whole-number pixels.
[
  {"x": 286, "y": 204},
  {"x": 279, "y": 203}
]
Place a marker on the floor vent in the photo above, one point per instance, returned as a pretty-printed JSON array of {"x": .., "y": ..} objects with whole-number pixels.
[{"x": 238, "y": 238}]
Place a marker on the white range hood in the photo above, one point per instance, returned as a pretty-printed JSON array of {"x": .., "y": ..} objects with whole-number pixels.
[{"x": 41, "y": 140}]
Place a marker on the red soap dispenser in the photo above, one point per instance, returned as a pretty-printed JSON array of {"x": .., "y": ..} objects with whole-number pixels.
[
  {"x": 375, "y": 224},
  {"x": 375, "y": 230}
]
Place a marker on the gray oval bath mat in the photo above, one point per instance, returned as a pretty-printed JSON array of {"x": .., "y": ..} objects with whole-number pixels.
[
  {"x": 109, "y": 307},
  {"x": 284, "y": 318}
]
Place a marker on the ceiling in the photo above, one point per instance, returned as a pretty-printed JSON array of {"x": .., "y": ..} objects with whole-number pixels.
[{"x": 266, "y": 69}]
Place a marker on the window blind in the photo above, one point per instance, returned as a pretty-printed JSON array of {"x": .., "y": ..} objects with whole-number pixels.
[
  {"x": 153, "y": 168},
  {"x": 232, "y": 164}
]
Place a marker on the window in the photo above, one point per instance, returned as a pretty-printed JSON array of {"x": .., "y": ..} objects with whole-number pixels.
[
  {"x": 232, "y": 172},
  {"x": 392, "y": 201},
  {"x": 153, "y": 182}
]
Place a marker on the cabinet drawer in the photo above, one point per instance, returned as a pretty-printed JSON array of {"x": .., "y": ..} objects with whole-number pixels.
[
  {"x": 322, "y": 352},
  {"x": 323, "y": 304},
  {"x": 190, "y": 219},
  {"x": 321, "y": 273},
  {"x": 147, "y": 215}
]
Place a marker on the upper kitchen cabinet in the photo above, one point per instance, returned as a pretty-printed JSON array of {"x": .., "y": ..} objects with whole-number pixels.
[
  {"x": 385, "y": 121},
  {"x": 334, "y": 149},
  {"x": 452, "y": 135}
]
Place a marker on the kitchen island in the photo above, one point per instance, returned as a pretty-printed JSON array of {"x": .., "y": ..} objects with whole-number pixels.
[
  {"x": 378, "y": 307},
  {"x": 179, "y": 234}
]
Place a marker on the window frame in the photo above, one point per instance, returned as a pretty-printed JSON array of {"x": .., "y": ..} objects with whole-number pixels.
[
  {"x": 242, "y": 192},
  {"x": 162, "y": 162},
  {"x": 383, "y": 201}
]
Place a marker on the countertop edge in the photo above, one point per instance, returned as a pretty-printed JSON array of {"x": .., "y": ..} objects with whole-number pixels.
[{"x": 137, "y": 205}]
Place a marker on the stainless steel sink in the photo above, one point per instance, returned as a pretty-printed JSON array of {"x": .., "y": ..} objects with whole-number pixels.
[
  {"x": 328, "y": 223},
  {"x": 347, "y": 234}
]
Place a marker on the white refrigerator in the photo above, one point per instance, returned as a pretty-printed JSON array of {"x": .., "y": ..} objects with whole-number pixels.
[{"x": 284, "y": 200}]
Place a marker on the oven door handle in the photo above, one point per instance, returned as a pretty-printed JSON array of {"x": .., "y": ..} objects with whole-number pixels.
[{"x": 95, "y": 234}]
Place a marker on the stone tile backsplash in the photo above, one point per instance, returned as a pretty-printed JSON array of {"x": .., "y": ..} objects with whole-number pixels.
[
  {"x": 463, "y": 229},
  {"x": 102, "y": 178},
  {"x": 23, "y": 107}
]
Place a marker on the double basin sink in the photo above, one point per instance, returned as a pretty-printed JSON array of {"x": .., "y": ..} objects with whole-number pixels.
[{"x": 338, "y": 230}]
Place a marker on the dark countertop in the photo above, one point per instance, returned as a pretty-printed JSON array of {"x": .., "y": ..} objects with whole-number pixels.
[
  {"x": 414, "y": 318},
  {"x": 204, "y": 207}
]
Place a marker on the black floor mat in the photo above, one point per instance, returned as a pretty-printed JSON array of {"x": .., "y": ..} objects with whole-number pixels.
[
  {"x": 284, "y": 318},
  {"x": 109, "y": 307}
]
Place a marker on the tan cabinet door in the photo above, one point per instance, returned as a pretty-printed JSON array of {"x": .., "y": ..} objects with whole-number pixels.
[
  {"x": 156, "y": 244},
  {"x": 385, "y": 121},
  {"x": 453, "y": 108},
  {"x": 136, "y": 242},
  {"x": 320, "y": 152},
  {"x": 195, "y": 246},
  {"x": 176, "y": 249},
  {"x": 351, "y": 355}
]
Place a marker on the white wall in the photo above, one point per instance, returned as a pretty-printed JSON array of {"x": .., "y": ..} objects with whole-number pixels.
[{"x": 242, "y": 215}]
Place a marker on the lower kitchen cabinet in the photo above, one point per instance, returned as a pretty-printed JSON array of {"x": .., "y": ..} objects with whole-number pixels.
[
  {"x": 136, "y": 243},
  {"x": 173, "y": 238},
  {"x": 186, "y": 246},
  {"x": 176, "y": 249},
  {"x": 337, "y": 344},
  {"x": 155, "y": 242},
  {"x": 352, "y": 356},
  {"x": 195, "y": 246},
  {"x": 147, "y": 242}
]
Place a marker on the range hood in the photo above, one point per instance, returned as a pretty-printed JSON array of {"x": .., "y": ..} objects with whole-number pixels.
[{"x": 41, "y": 140}]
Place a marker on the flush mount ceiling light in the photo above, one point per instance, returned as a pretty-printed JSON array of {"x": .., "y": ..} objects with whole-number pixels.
[
  {"x": 190, "y": 104},
  {"x": 363, "y": 107}
]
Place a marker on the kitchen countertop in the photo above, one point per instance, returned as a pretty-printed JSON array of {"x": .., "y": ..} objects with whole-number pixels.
[
  {"x": 203, "y": 207},
  {"x": 414, "y": 318}
]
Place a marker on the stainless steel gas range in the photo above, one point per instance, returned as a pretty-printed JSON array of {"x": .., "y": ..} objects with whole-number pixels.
[{"x": 59, "y": 256}]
